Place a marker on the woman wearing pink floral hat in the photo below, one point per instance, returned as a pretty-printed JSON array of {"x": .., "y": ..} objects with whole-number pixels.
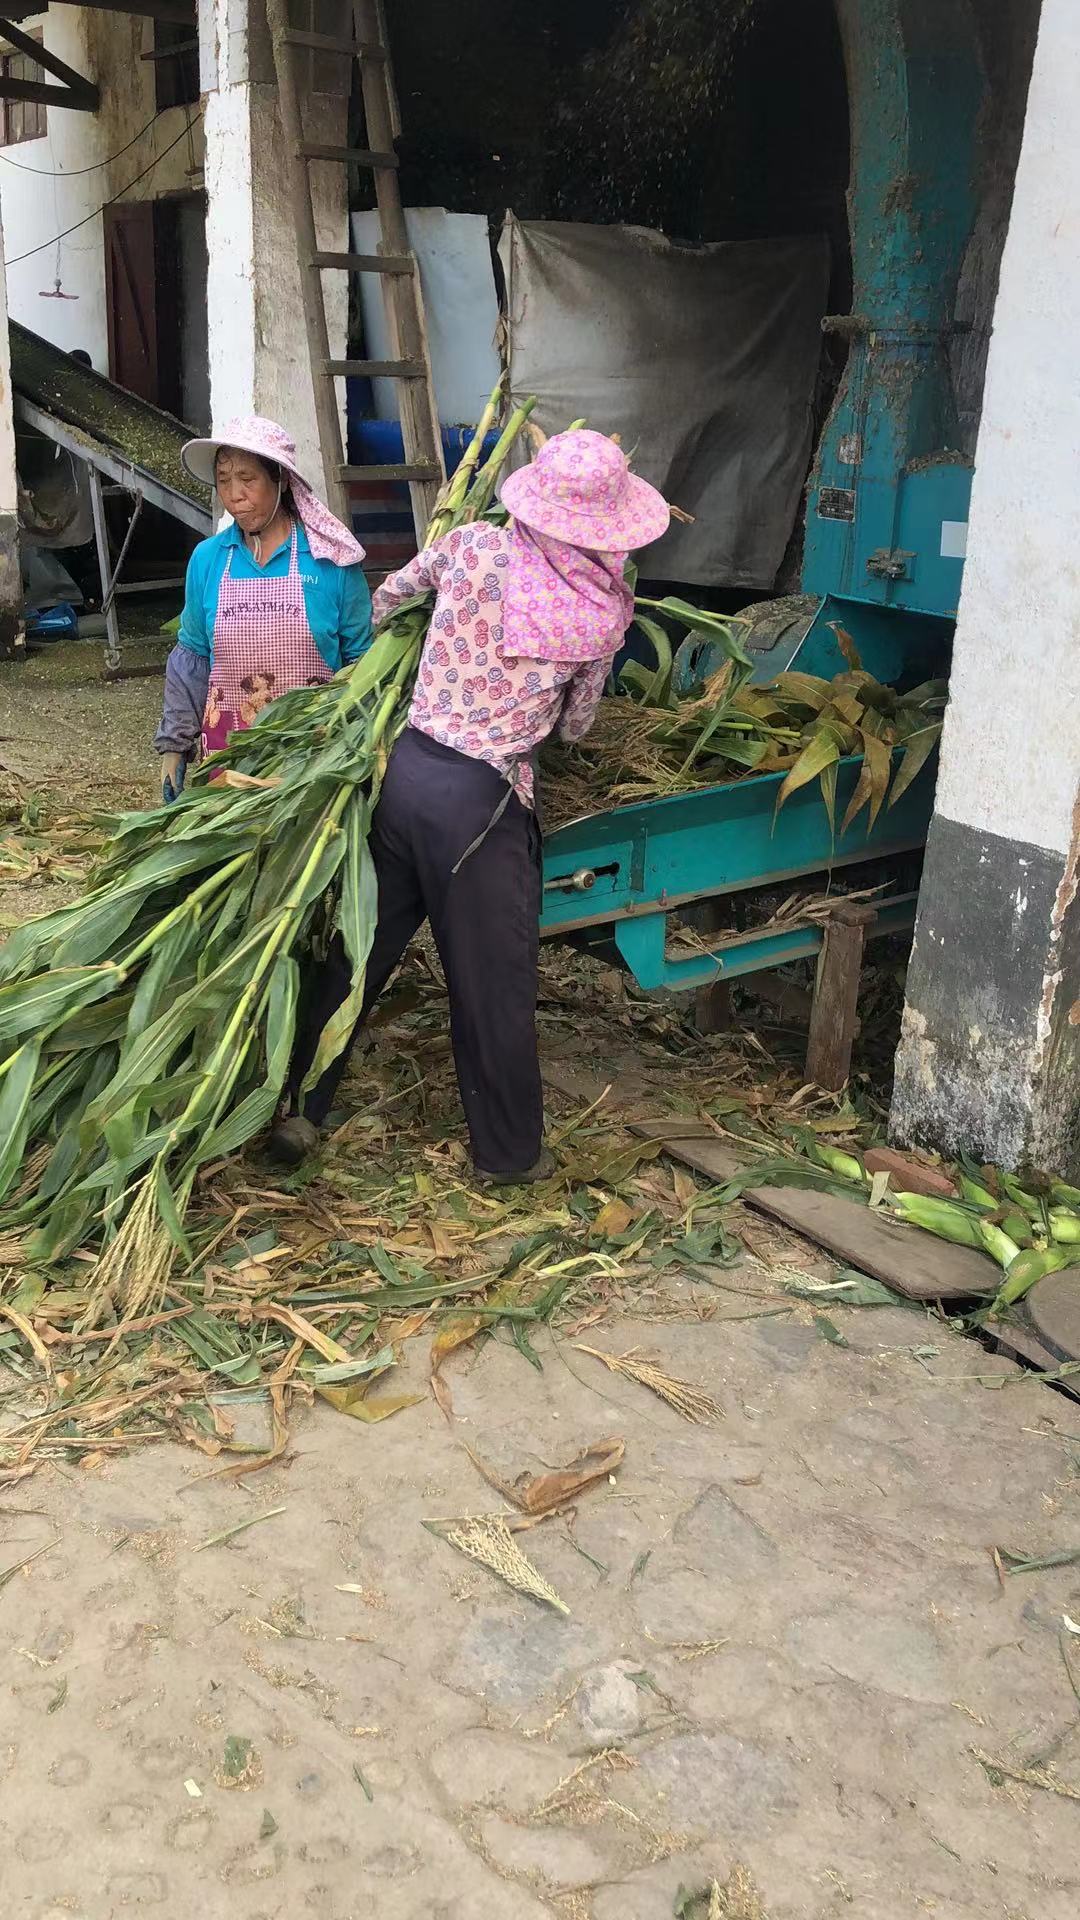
[
  {"x": 527, "y": 621},
  {"x": 277, "y": 600}
]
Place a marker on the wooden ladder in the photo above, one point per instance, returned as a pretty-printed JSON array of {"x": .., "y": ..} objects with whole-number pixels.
[{"x": 395, "y": 262}]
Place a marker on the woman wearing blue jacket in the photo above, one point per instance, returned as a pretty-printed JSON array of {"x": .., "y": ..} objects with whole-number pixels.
[{"x": 276, "y": 600}]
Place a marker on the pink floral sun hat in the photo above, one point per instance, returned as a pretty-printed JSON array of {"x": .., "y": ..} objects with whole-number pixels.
[
  {"x": 328, "y": 537},
  {"x": 580, "y": 489}
]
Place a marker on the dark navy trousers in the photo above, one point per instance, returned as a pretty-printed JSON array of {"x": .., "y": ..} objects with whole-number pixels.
[{"x": 434, "y": 803}]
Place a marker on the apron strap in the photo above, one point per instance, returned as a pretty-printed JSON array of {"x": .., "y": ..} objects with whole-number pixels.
[{"x": 511, "y": 788}]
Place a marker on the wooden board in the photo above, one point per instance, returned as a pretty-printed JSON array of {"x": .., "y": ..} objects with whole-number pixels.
[
  {"x": 1053, "y": 1307},
  {"x": 913, "y": 1263}
]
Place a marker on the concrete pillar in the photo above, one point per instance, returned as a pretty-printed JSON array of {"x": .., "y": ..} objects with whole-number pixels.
[
  {"x": 989, "y": 1060},
  {"x": 258, "y": 347},
  {"x": 12, "y": 632}
]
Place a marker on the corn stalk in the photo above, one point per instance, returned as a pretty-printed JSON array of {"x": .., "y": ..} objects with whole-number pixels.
[{"x": 146, "y": 1030}]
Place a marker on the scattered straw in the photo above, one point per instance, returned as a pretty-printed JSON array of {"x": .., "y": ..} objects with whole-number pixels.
[
  {"x": 737, "y": 1899},
  {"x": 487, "y": 1538},
  {"x": 998, "y": 1771},
  {"x": 692, "y": 1402},
  {"x": 576, "y": 1790}
]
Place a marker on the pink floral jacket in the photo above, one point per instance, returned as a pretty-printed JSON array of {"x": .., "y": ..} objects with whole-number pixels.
[{"x": 470, "y": 693}]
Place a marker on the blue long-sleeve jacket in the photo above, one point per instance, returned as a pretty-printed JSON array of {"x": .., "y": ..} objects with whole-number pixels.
[{"x": 337, "y": 601}]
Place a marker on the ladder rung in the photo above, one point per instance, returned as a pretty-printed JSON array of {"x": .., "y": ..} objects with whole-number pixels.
[
  {"x": 366, "y": 262},
  {"x": 350, "y": 156},
  {"x": 352, "y": 474},
  {"x": 332, "y": 43},
  {"x": 380, "y": 369}
]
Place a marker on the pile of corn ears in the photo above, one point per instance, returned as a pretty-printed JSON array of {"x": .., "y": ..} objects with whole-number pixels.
[{"x": 1030, "y": 1229}]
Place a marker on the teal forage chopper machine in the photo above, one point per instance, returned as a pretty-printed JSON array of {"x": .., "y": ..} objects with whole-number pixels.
[{"x": 886, "y": 529}]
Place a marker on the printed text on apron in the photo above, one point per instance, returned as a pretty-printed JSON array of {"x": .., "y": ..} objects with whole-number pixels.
[{"x": 263, "y": 646}]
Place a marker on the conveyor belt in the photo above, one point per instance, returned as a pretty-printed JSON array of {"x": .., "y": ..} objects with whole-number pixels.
[{"x": 119, "y": 435}]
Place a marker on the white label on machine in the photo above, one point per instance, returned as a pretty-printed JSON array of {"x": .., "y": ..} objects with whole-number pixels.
[{"x": 954, "y": 539}]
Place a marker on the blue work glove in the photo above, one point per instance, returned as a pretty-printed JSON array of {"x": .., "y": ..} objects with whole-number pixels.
[{"x": 172, "y": 784}]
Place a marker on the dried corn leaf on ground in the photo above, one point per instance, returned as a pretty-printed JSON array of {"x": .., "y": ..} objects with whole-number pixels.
[{"x": 324, "y": 1283}]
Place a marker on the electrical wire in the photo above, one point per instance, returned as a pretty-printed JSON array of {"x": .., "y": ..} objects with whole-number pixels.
[
  {"x": 85, "y": 222},
  {"x": 74, "y": 173}
]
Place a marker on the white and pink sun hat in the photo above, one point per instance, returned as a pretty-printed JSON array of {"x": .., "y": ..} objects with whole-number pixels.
[
  {"x": 328, "y": 537},
  {"x": 580, "y": 489}
]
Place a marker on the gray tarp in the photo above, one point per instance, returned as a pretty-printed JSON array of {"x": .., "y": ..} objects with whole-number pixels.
[{"x": 704, "y": 360}]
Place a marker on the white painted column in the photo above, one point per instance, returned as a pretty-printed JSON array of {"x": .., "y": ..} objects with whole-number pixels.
[
  {"x": 258, "y": 346},
  {"x": 988, "y": 1059},
  {"x": 12, "y": 635}
]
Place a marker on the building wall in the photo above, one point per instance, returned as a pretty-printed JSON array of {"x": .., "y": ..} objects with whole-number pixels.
[
  {"x": 11, "y": 634},
  {"x": 989, "y": 1060},
  {"x": 107, "y": 48},
  {"x": 258, "y": 345}
]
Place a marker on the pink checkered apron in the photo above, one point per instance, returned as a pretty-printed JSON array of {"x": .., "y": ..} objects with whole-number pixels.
[{"x": 263, "y": 646}]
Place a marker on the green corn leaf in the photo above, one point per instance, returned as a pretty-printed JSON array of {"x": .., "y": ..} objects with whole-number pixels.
[
  {"x": 873, "y": 782},
  {"x": 63, "y": 1231},
  {"x": 828, "y": 794},
  {"x": 169, "y": 1212},
  {"x": 257, "y": 1110},
  {"x": 16, "y": 1096},
  {"x": 804, "y": 689},
  {"x": 99, "y": 923},
  {"x": 917, "y": 750},
  {"x": 358, "y": 912},
  {"x": 91, "y": 1027},
  {"x": 39, "y": 1004},
  {"x": 55, "y": 1082},
  {"x": 292, "y": 858},
  {"x": 657, "y": 685},
  {"x": 68, "y": 1158},
  {"x": 171, "y": 963},
  {"x": 821, "y": 752},
  {"x": 717, "y": 626}
]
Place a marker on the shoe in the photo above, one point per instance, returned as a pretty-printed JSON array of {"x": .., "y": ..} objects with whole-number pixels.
[
  {"x": 541, "y": 1169},
  {"x": 292, "y": 1140}
]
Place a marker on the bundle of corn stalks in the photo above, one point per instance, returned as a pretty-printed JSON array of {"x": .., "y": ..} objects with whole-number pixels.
[
  {"x": 656, "y": 743},
  {"x": 146, "y": 1030}
]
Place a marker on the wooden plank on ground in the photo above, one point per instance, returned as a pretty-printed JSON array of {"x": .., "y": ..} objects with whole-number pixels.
[{"x": 913, "y": 1263}]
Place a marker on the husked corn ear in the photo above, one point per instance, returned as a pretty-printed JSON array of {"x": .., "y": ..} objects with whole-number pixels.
[
  {"x": 1065, "y": 1226},
  {"x": 949, "y": 1219},
  {"x": 1018, "y": 1227},
  {"x": 837, "y": 1161},
  {"x": 976, "y": 1194},
  {"x": 997, "y": 1244},
  {"x": 1028, "y": 1267}
]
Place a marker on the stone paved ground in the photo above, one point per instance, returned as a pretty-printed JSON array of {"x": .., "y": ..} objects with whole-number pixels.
[{"x": 787, "y": 1630}]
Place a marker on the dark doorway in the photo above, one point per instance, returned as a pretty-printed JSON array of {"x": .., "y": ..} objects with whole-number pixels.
[
  {"x": 141, "y": 352},
  {"x": 155, "y": 288}
]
